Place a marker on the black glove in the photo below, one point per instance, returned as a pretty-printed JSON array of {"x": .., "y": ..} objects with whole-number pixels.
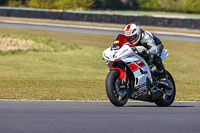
[
  {"x": 144, "y": 53},
  {"x": 135, "y": 50}
]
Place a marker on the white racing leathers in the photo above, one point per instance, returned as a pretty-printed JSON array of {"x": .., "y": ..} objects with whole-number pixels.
[
  {"x": 153, "y": 47},
  {"x": 149, "y": 43}
]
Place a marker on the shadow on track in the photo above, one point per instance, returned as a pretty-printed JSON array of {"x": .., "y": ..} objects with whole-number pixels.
[{"x": 173, "y": 106}]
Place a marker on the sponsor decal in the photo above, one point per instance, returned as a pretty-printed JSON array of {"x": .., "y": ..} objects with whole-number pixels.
[
  {"x": 140, "y": 63},
  {"x": 133, "y": 66},
  {"x": 136, "y": 65},
  {"x": 122, "y": 53},
  {"x": 140, "y": 91}
]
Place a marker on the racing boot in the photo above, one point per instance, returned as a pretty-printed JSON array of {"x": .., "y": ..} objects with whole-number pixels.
[
  {"x": 164, "y": 79},
  {"x": 166, "y": 83}
]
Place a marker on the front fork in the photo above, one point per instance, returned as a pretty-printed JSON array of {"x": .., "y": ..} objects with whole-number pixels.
[
  {"x": 123, "y": 85},
  {"x": 125, "y": 76}
]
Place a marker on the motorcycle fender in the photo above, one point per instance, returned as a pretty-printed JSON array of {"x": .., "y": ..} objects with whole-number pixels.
[{"x": 122, "y": 73}]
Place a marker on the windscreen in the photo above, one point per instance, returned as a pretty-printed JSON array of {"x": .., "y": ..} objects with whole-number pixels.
[{"x": 119, "y": 42}]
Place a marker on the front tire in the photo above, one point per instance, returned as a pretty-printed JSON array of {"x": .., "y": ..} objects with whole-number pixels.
[
  {"x": 116, "y": 96},
  {"x": 166, "y": 100}
]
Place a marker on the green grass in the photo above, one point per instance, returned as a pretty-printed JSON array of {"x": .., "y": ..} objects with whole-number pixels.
[
  {"x": 54, "y": 75},
  {"x": 78, "y": 72},
  {"x": 183, "y": 63}
]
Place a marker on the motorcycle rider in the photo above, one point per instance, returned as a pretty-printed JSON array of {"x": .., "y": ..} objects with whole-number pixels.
[{"x": 148, "y": 46}]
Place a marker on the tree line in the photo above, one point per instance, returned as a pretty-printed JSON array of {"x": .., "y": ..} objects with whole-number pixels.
[{"x": 189, "y": 6}]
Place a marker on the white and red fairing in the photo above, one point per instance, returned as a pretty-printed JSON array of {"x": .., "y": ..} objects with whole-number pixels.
[{"x": 123, "y": 53}]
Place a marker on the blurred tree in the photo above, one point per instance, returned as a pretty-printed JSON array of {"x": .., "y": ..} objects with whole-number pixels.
[
  {"x": 163, "y": 5},
  {"x": 47, "y": 4},
  {"x": 157, "y": 5},
  {"x": 98, "y": 4},
  {"x": 3, "y": 2},
  {"x": 113, "y": 4},
  {"x": 16, "y": 3},
  {"x": 130, "y": 4},
  {"x": 108, "y": 4},
  {"x": 64, "y": 4},
  {"x": 172, "y": 5},
  {"x": 74, "y": 4},
  {"x": 192, "y": 6},
  {"x": 86, "y": 4},
  {"x": 149, "y": 4}
]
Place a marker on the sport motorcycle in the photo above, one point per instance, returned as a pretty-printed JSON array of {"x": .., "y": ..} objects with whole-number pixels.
[{"x": 132, "y": 77}]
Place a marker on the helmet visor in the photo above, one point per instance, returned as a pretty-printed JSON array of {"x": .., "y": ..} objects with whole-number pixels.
[{"x": 131, "y": 38}]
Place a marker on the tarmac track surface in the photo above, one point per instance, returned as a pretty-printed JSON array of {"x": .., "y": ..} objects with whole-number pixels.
[
  {"x": 93, "y": 30},
  {"x": 97, "y": 117}
]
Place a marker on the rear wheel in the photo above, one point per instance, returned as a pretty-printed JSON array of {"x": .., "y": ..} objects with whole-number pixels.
[
  {"x": 117, "y": 91},
  {"x": 168, "y": 96}
]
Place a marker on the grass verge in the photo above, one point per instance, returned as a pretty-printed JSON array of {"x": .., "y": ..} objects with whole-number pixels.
[{"x": 78, "y": 73}]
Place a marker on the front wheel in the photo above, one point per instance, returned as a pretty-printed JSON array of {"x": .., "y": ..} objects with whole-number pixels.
[
  {"x": 117, "y": 91},
  {"x": 168, "y": 97}
]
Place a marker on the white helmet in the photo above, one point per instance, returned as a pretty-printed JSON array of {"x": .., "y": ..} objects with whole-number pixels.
[{"x": 132, "y": 33}]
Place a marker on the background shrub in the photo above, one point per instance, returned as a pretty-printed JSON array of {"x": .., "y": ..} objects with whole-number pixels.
[{"x": 189, "y": 6}]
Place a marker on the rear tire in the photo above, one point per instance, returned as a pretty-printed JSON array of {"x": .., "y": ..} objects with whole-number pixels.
[
  {"x": 111, "y": 90},
  {"x": 167, "y": 100}
]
